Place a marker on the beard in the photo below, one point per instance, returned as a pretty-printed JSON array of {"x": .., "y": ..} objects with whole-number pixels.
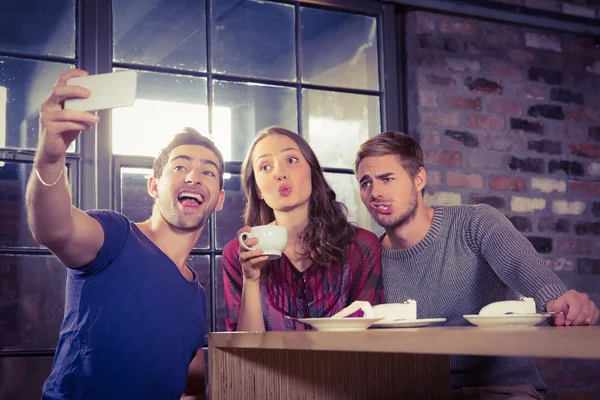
[
  {"x": 184, "y": 222},
  {"x": 394, "y": 222}
]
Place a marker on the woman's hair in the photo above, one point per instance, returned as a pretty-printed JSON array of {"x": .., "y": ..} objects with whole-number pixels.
[{"x": 328, "y": 232}]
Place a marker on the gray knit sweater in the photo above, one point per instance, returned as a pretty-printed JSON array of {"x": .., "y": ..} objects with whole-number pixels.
[{"x": 470, "y": 257}]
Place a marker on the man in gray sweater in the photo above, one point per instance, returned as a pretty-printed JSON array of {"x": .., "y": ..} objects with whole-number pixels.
[{"x": 454, "y": 260}]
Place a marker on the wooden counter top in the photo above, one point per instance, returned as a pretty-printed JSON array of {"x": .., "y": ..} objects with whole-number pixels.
[{"x": 561, "y": 342}]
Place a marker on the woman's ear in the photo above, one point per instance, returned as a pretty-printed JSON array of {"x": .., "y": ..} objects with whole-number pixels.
[{"x": 259, "y": 193}]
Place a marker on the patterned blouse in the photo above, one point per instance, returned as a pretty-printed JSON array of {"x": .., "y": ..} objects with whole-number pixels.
[{"x": 317, "y": 292}]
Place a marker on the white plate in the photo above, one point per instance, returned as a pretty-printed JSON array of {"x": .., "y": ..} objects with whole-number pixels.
[
  {"x": 411, "y": 323},
  {"x": 506, "y": 320},
  {"x": 340, "y": 324}
]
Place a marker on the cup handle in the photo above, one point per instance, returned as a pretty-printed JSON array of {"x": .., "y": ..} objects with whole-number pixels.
[{"x": 243, "y": 236}]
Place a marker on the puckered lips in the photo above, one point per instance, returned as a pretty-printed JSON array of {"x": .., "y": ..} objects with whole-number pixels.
[
  {"x": 381, "y": 207},
  {"x": 285, "y": 190},
  {"x": 191, "y": 198}
]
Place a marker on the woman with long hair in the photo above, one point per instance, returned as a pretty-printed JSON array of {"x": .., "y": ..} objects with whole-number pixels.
[{"x": 328, "y": 262}]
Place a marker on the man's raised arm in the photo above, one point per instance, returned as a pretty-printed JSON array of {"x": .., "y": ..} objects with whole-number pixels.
[{"x": 73, "y": 236}]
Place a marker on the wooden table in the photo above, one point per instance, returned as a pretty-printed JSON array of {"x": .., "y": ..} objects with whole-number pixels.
[{"x": 409, "y": 363}]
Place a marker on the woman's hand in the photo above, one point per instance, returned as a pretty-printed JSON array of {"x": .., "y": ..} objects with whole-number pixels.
[{"x": 252, "y": 261}]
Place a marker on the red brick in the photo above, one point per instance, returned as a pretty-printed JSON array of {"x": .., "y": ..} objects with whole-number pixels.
[
  {"x": 504, "y": 70},
  {"x": 445, "y": 158},
  {"x": 522, "y": 56},
  {"x": 585, "y": 150},
  {"x": 430, "y": 138},
  {"x": 573, "y": 246},
  {"x": 499, "y": 182},
  {"x": 582, "y": 44},
  {"x": 439, "y": 118},
  {"x": 502, "y": 37},
  {"x": 548, "y": 5},
  {"x": 569, "y": 131},
  {"x": 457, "y": 179},
  {"x": 426, "y": 59},
  {"x": 428, "y": 98},
  {"x": 506, "y": 107},
  {"x": 579, "y": 395},
  {"x": 434, "y": 178},
  {"x": 486, "y": 122},
  {"x": 441, "y": 80},
  {"x": 505, "y": 142},
  {"x": 464, "y": 103},
  {"x": 425, "y": 23},
  {"x": 584, "y": 114},
  {"x": 585, "y": 188},
  {"x": 534, "y": 93},
  {"x": 458, "y": 27},
  {"x": 480, "y": 159}
]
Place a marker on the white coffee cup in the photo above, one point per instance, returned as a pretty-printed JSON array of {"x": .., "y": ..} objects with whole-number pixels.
[{"x": 272, "y": 239}]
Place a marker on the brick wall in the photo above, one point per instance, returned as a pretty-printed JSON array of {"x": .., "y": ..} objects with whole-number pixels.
[
  {"x": 510, "y": 116},
  {"x": 582, "y": 8}
]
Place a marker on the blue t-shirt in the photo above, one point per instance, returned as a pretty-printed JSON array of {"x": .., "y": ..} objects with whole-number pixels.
[{"x": 132, "y": 322}]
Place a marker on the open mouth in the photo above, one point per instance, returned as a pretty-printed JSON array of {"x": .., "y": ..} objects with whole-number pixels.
[{"x": 190, "y": 199}]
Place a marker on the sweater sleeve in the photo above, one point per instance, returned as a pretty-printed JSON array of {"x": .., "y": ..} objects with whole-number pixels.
[
  {"x": 232, "y": 284},
  {"x": 368, "y": 281},
  {"x": 512, "y": 257}
]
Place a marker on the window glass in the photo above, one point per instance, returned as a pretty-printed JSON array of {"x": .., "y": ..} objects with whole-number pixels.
[
  {"x": 339, "y": 49},
  {"x": 14, "y": 229},
  {"x": 160, "y": 33},
  {"x": 335, "y": 124},
  {"x": 24, "y": 86},
  {"x": 254, "y": 38},
  {"x": 32, "y": 298},
  {"x": 243, "y": 109},
  {"x": 165, "y": 104},
  {"x": 347, "y": 191},
  {"x": 38, "y": 27},
  {"x": 22, "y": 378},
  {"x": 229, "y": 220}
]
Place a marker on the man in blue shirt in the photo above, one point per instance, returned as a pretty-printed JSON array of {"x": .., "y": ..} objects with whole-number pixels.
[{"x": 135, "y": 314}]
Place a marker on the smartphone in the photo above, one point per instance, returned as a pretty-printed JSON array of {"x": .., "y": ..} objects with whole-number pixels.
[{"x": 117, "y": 89}]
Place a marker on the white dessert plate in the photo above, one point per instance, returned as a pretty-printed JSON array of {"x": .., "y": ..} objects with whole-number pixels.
[
  {"x": 409, "y": 323},
  {"x": 340, "y": 324},
  {"x": 506, "y": 320}
]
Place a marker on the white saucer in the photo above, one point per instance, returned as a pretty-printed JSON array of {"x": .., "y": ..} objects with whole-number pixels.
[
  {"x": 340, "y": 324},
  {"x": 506, "y": 320},
  {"x": 410, "y": 323}
]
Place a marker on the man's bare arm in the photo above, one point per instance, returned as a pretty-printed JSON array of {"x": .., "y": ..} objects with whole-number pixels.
[
  {"x": 195, "y": 384},
  {"x": 69, "y": 233}
]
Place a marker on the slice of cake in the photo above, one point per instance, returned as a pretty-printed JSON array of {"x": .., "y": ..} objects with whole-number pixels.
[
  {"x": 397, "y": 311},
  {"x": 358, "y": 309},
  {"x": 524, "y": 306}
]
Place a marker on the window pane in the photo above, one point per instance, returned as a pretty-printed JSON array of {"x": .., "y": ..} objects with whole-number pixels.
[
  {"x": 165, "y": 33},
  {"x": 14, "y": 230},
  {"x": 339, "y": 49},
  {"x": 220, "y": 303},
  {"x": 347, "y": 191},
  {"x": 165, "y": 104},
  {"x": 229, "y": 219},
  {"x": 39, "y": 27},
  {"x": 136, "y": 203},
  {"x": 242, "y": 109},
  {"x": 22, "y": 378},
  {"x": 254, "y": 38},
  {"x": 32, "y": 298},
  {"x": 201, "y": 265},
  {"x": 335, "y": 124},
  {"x": 26, "y": 84}
]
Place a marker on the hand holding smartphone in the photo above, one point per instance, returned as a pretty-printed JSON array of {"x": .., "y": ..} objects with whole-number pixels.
[{"x": 112, "y": 90}]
